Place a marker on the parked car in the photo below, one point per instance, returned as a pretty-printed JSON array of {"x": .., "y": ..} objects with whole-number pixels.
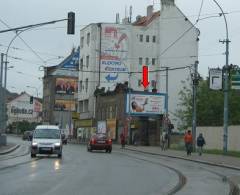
[
  {"x": 46, "y": 140},
  {"x": 99, "y": 142},
  {"x": 27, "y": 135}
]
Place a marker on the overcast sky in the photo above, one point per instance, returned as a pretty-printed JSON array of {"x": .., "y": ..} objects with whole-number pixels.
[{"x": 51, "y": 42}]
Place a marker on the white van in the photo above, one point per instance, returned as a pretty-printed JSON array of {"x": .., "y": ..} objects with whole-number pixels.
[{"x": 46, "y": 140}]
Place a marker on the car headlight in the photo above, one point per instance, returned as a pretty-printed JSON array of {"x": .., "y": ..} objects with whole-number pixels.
[
  {"x": 57, "y": 144},
  {"x": 34, "y": 144}
]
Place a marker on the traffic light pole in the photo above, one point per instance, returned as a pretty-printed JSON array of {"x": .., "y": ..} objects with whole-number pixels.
[{"x": 19, "y": 30}]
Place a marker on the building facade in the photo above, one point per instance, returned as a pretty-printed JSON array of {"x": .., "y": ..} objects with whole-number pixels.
[
  {"x": 166, "y": 41},
  {"x": 59, "y": 92},
  {"x": 23, "y": 108}
]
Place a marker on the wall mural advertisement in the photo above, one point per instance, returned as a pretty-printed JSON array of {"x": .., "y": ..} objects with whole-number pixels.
[
  {"x": 114, "y": 55},
  {"x": 64, "y": 105},
  {"x": 66, "y": 86},
  {"x": 102, "y": 127},
  {"x": 145, "y": 104}
]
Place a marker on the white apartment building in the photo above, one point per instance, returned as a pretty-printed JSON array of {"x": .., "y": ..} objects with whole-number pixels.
[{"x": 113, "y": 53}]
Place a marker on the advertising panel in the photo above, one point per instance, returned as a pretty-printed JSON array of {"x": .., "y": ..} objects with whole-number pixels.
[
  {"x": 215, "y": 76},
  {"x": 102, "y": 127},
  {"x": 114, "y": 55},
  {"x": 66, "y": 86},
  {"x": 111, "y": 126},
  {"x": 145, "y": 104},
  {"x": 64, "y": 105}
]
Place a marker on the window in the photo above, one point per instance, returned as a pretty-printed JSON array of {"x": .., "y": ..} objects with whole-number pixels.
[
  {"x": 82, "y": 41},
  {"x": 141, "y": 38},
  {"x": 81, "y": 64},
  {"x": 110, "y": 115},
  {"x": 87, "y": 61},
  {"x": 86, "y": 85},
  {"x": 154, "y": 39},
  {"x": 80, "y": 106},
  {"x": 153, "y": 61},
  {"x": 147, "y": 61},
  {"x": 139, "y": 83},
  {"x": 140, "y": 61},
  {"x": 85, "y": 105},
  {"x": 147, "y": 38},
  {"x": 80, "y": 86},
  {"x": 153, "y": 84},
  {"x": 88, "y": 38}
]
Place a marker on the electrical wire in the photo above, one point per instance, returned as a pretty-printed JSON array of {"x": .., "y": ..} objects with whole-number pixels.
[{"x": 35, "y": 53}]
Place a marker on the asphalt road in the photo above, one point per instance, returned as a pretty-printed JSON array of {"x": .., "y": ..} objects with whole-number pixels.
[{"x": 121, "y": 172}]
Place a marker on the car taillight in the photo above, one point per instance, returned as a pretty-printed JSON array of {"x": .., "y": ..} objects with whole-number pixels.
[
  {"x": 109, "y": 141},
  {"x": 93, "y": 141}
]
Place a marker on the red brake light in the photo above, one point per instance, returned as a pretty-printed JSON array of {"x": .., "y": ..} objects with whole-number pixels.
[{"x": 109, "y": 141}]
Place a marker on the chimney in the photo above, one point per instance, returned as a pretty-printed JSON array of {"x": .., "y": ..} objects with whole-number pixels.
[
  {"x": 117, "y": 18},
  {"x": 167, "y": 3},
  {"x": 149, "y": 10}
]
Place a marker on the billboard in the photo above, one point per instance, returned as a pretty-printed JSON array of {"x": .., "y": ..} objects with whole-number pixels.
[
  {"x": 145, "y": 103},
  {"x": 111, "y": 126},
  {"x": 66, "y": 86},
  {"x": 215, "y": 76},
  {"x": 102, "y": 127},
  {"x": 64, "y": 105},
  {"x": 114, "y": 55}
]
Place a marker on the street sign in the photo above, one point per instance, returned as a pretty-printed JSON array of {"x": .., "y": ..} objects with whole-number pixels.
[
  {"x": 215, "y": 79},
  {"x": 235, "y": 79}
]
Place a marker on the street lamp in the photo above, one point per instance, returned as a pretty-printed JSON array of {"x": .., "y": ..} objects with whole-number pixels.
[
  {"x": 33, "y": 88},
  {"x": 226, "y": 68}
]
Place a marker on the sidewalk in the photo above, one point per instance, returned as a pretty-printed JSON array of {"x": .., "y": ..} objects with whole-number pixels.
[
  {"x": 10, "y": 147},
  {"x": 210, "y": 159}
]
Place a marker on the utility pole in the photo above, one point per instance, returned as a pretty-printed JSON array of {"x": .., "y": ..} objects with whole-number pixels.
[
  {"x": 195, "y": 79},
  {"x": 1, "y": 94},
  {"x": 225, "y": 112}
]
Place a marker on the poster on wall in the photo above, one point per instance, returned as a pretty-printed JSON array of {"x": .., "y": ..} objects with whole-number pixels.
[
  {"x": 66, "y": 86},
  {"x": 111, "y": 126},
  {"x": 145, "y": 104},
  {"x": 102, "y": 127},
  {"x": 114, "y": 55},
  {"x": 64, "y": 105}
]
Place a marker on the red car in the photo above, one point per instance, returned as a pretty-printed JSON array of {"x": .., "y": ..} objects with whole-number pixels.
[{"x": 100, "y": 142}]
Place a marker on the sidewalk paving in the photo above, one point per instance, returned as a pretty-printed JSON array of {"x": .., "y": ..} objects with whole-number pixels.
[
  {"x": 10, "y": 147},
  {"x": 210, "y": 159}
]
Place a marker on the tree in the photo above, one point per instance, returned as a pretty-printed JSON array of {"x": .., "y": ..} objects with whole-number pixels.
[{"x": 209, "y": 106}]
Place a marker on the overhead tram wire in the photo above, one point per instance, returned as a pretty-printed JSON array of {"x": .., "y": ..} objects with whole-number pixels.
[{"x": 18, "y": 36}]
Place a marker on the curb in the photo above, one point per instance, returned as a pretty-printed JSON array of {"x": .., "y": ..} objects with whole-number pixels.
[
  {"x": 183, "y": 158},
  {"x": 10, "y": 150}
]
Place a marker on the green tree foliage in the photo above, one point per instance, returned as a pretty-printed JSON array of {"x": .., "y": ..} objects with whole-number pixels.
[{"x": 209, "y": 106}]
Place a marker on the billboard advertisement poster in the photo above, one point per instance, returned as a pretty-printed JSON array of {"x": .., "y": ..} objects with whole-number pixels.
[
  {"x": 64, "y": 105},
  {"x": 102, "y": 127},
  {"x": 215, "y": 76},
  {"x": 111, "y": 126},
  {"x": 145, "y": 103},
  {"x": 66, "y": 86},
  {"x": 114, "y": 55}
]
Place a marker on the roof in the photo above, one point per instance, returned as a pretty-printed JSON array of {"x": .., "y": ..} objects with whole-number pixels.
[{"x": 146, "y": 20}]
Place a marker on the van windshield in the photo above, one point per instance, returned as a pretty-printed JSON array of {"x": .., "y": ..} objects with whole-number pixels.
[{"x": 47, "y": 134}]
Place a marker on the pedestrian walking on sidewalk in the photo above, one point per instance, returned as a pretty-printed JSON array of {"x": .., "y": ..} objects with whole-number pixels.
[
  {"x": 164, "y": 139},
  {"x": 188, "y": 139},
  {"x": 200, "y": 143},
  {"x": 122, "y": 138}
]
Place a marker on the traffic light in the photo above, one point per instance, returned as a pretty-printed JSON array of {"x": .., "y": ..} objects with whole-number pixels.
[
  {"x": 31, "y": 99},
  {"x": 71, "y": 23}
]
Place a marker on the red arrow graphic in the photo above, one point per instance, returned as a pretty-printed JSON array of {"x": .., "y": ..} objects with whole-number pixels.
[{"x": 145, "y": 81}]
